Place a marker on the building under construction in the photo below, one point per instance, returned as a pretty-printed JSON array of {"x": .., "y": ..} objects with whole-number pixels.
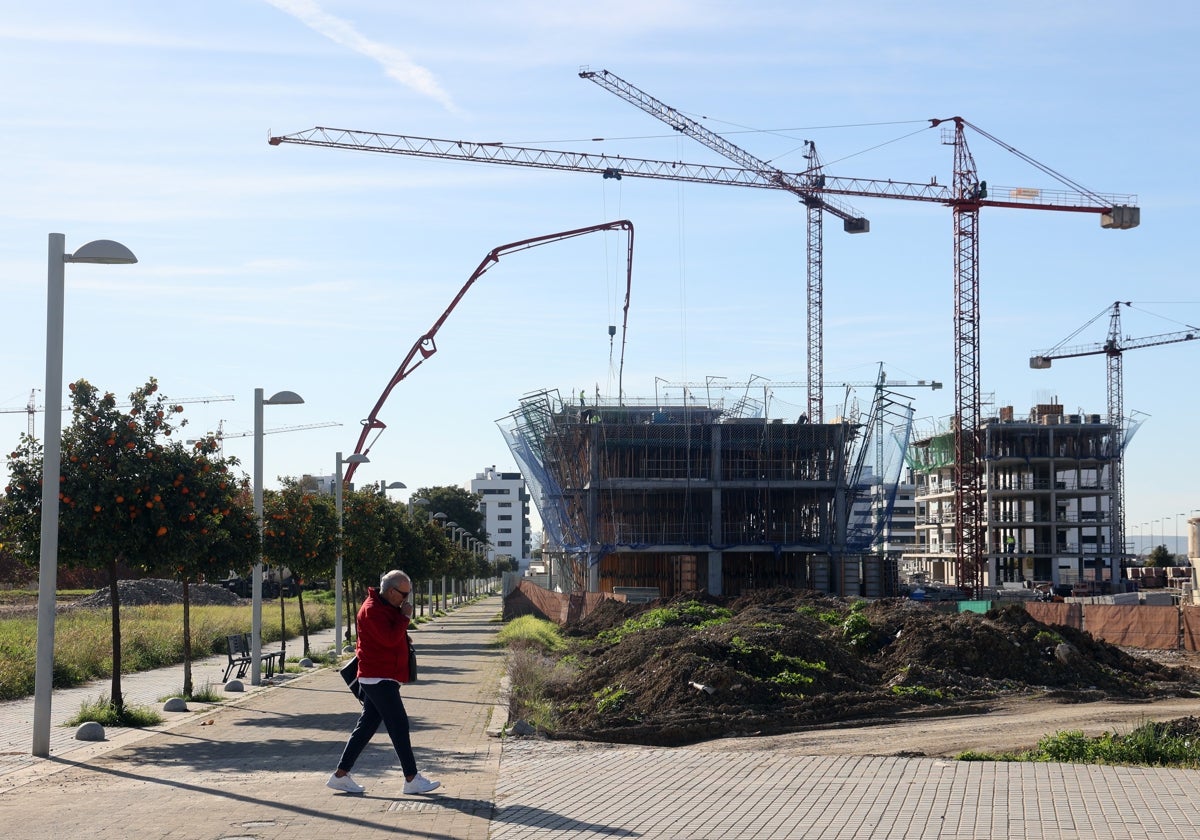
[
  {"x": 1051, "y": 506},
  {"x": 671, "y": 498}
]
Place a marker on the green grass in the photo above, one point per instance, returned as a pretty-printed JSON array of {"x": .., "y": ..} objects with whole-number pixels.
[
  {"x": 692, "y": 614},
  {"x": 1149, "y": 745},
  {"x": 151, "y": 637},
  {"x": 103, "y": 712},
  {"x": 204, "y": 694},
  {"x": 529, "y": 631}
]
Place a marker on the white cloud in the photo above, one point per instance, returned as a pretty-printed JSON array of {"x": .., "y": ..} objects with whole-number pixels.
[{"x": 396, "y": 64}]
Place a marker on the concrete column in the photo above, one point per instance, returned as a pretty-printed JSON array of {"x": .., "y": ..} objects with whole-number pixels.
[{"x": 716, "y": 536}]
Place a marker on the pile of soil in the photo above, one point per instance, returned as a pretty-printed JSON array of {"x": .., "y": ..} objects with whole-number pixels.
[
  {"x": 137, "y": 593},
  {"x": 784, "y": 661}
]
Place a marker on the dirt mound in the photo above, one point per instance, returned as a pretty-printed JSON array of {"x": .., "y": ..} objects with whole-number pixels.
[
  {"x": 136, "y": 593},
  {"x": 698, "y": 667}
]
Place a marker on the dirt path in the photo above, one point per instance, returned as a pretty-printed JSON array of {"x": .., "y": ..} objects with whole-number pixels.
[{"x": 1010, "y": 725}]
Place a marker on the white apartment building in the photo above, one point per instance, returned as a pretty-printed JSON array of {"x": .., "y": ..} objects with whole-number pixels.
[{"x": 504, "y": 503}]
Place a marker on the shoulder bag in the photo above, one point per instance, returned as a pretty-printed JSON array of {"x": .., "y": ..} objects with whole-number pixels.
[
  {"x": 349, "y": 673},
  {"x": 412, "y": 660}
]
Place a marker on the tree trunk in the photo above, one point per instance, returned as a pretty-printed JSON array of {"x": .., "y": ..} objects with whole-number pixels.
[
  {"x": 115, "y": 697},
  {"x": 282, "y": 622},
  {"x": 303, "y": 622},
  {"x": 187, "y": 642}
]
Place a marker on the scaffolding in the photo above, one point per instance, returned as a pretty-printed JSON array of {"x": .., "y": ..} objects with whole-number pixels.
[{"x": 691, "y": 496}]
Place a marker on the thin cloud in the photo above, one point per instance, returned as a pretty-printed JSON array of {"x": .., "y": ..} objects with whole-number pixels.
[{"x": 395, "y": 63}]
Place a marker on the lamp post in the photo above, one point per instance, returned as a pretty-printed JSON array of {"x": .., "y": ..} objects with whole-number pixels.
[
  {"x": 416, "y": 500},
  {"x": 384, "y": 486},
  {"x": 280, "y": 398},
  {"x": 337, "y": 571},
  {"x": 99, "y": 252}
]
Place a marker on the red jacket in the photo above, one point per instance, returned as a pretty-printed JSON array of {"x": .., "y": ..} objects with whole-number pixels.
[{"x": 382, "y": 643}]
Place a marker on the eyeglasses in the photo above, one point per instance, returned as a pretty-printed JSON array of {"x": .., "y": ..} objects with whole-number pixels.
[{"x": 403, "y": 592}]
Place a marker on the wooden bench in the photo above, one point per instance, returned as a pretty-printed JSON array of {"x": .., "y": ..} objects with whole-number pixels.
[{"x": 240, "y": 657}]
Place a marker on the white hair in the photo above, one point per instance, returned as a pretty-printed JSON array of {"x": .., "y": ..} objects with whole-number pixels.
[{"x": 390, "y": 579}]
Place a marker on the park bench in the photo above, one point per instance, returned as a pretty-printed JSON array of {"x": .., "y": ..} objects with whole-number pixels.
[{"x": 239, "y": 657}]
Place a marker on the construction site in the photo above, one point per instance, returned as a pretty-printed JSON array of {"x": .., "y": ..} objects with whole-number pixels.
[{"x": 646, "y": 498}]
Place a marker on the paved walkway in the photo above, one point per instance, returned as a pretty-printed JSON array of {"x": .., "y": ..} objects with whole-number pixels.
[{"x": 256, "y": 767}]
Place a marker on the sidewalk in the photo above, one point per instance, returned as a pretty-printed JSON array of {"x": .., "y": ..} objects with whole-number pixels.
[{"x": 256, "y": 768}]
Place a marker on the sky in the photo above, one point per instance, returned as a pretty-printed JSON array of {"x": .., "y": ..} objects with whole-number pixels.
[{"x": 316, "y": 270}]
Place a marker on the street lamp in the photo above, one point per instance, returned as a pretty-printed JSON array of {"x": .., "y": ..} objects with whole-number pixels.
[
  {"x": 281, "y": 398},
  {"x": 416, "y": 500},
  {"x": 99, "y": 252},
  {"x": 356, "y": 458},
  {"x": 384, "y": 486}
]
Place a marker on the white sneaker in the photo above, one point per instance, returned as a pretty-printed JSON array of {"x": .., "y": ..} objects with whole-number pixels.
[
  {"x": 420, "y": 784},
  {"x": 344, "y": 783}
]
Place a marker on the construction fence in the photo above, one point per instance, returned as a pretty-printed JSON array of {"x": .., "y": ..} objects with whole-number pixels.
[{"x": 1127, "y": 625}]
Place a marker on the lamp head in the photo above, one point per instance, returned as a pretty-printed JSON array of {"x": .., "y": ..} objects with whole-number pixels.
[
  {"x": 102, "y": 252},
  {"x": 284, "y": 398}
]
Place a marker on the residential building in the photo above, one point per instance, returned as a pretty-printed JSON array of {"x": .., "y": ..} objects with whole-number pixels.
[
  {"x": 504, "y": 503},
  {"x": 1051, "y": 505}
]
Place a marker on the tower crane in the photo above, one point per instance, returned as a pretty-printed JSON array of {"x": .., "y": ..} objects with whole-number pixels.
[
  {"x": 966, "y": 196},
  {"x": 1113, "y": 348},
  {"x": 31, "y": 408},
  {"x": 220, "y": 435},
  {"x": 804, "y": 185}
]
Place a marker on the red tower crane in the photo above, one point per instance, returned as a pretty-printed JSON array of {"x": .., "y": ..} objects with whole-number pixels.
[
  {"x": 965, "y": 198},
  {"x": 1113, "y": 348}
]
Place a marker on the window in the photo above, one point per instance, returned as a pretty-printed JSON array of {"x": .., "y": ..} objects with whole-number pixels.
[
  {"x": 505, "y": 531},
  {"x": 505, "y": 504},
  {"x": 505, "y": 517}
]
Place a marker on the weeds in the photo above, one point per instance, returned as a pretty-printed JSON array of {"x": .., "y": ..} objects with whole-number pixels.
[
  {"x": 204, "y": 694},
  {"x": 692, "y": 614},
  {"x": 610, "y": 699},
  {"x": 532, "y": 675},
  {"x": 1149, "y": 745},
  {"x": 104, "y": 712},
  {"x": 528, "y": 631}
]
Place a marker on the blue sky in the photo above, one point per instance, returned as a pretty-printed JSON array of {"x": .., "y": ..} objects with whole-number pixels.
[{"x": 316, "y": 270}]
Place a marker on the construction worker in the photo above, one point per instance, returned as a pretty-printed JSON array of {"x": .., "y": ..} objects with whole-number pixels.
[
  {"x": 582, "y": 396},
  {"x": 1010, "y": 544}
]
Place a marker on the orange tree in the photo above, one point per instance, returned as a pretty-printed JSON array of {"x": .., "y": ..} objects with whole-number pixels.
[
  {"x": 205, "y": 522},
  {"x": 378, "y": 537},
  {"x": 299, "y": 537},
  {"x": 122, "y": 501}
]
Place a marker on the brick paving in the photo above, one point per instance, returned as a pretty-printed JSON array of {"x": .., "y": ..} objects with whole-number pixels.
[{"x": 255, "y": 767}]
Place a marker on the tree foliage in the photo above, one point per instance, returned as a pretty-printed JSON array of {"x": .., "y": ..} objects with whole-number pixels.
[
  {"x": 1161, "y": 557},
  {"x": 459, "y": 506},
  {"x": 127, "y": 496},
  {"x": 299, "y": 536}
]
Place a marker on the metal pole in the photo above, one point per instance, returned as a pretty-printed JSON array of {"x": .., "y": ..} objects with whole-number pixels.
[
  {"x": 257, "y": 574},
  {"x": 337, "y": 572},
  {"x": 43, "y": 684}
]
